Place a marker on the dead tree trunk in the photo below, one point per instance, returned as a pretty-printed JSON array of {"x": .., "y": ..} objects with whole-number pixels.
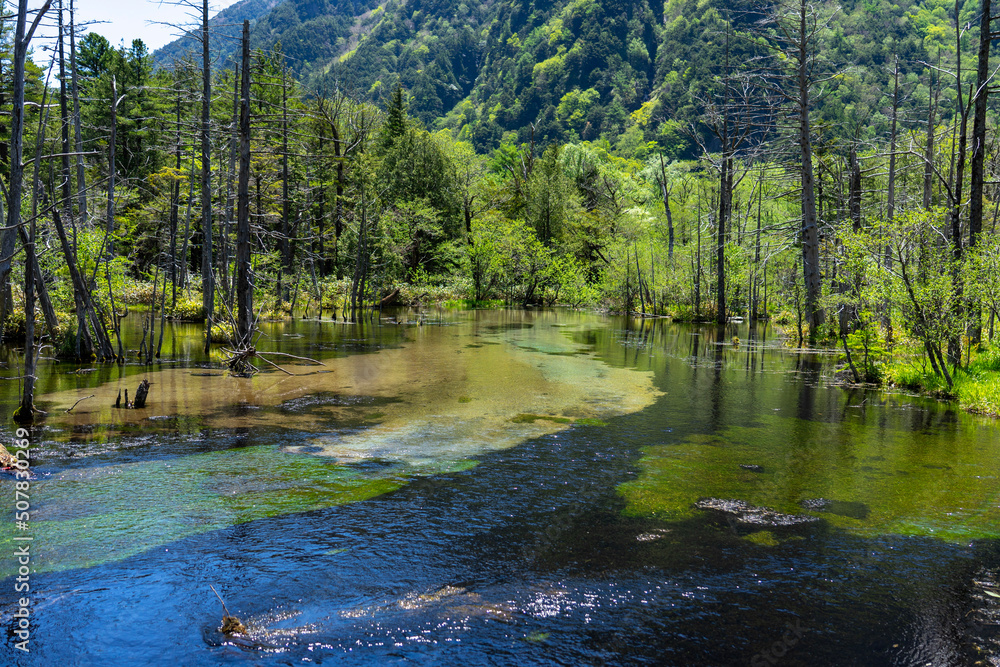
[
  {"x": 175, "y": 196},
  {"x": 929, "y": 148},
  {"x": 891, "y": 194},
  {"x": 140, "y": 395},
  {"x": 81, "y": 182},
  {"x": 234, "y": 147},
  {"x": 67, "y": 189},
  {"x": 25, "y": 413},
  {"x": 244, "y": 288},
  {"x": 81, "y": 295},
  {"x": 285, "y": 241},
  {"x": 979, "y": 147},
  {"x": 111, "y": 166},
  {"x": 666, "y": 208},
  {"x": 207, "y": 277},
  {"x": 810, "y": 227},
  {"x": 22, "y": 37}
]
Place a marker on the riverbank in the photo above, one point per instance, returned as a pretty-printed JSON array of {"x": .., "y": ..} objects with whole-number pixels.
[{"x": 975, "y": 386}]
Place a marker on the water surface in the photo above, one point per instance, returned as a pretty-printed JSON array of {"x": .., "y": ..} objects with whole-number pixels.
[{"x": 507, "y": 487}]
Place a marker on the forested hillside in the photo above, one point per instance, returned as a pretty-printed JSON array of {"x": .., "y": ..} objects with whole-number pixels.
[
  {"x": 586, "y": 69},
  {"x": 832, "y": 168}
]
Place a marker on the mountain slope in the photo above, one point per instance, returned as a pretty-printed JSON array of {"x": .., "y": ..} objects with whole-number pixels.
[
  {"x": 225, "y": 29},
  {"x": 628, "y": 70}
]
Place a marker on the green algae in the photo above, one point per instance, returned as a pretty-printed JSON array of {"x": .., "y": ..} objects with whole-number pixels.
[
  {"x": 590, "y": 421},
  {"x": 525, "y": 418},
  {"x": 439, "y": 405},
  {"x": 763, "y": 538},
  {"x": 89, "y": 516},
  {"x": 892, "y": 481}
]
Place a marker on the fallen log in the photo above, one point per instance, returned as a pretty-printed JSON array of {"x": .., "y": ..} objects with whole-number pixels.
[{"x": 390, "y": 299}]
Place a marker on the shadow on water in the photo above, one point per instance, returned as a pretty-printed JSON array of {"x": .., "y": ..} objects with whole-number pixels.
[{"x": 662, "y": 538}]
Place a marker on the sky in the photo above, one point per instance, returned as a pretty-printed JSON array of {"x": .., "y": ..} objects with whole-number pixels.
[{"x": 124, "y": 20}]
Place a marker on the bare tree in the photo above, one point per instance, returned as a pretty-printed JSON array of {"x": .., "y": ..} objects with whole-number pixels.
[
  {"x": 793, "y": 29},
  {"x": 207, "y": 277},
  {"x": 22, "y": 37},
  {"x": 244, "y": 288}
]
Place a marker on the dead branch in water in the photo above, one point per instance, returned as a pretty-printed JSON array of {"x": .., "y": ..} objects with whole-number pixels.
[
  {"x": 230, "y": 624},
  {"x": 268, "y": 361},
  {"x": 239, "y": 361},
  {"x": 292, "y": 356},
  {"x": 79, "y": 402}
]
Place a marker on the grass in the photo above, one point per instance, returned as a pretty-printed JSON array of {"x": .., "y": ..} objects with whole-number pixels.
[{"x": 976, "y": 387}]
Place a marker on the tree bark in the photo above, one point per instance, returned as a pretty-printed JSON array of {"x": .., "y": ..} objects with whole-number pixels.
[
  {"x": 666, "y": 208},
  {"x": 810, "y": 229},
  {"x": 929, "y": 148},
  {"x": 22, "y": 37},
  {"x": 207, "y": 277},
  {"x": 110, "y": 226},
  {"x": 81, "y": 181},
  {"x": 175, "y": 196},
  {"x": 891, "y": 195},
  {"x": 244, "y": 289},
  {"x": 67, "y": 189},
  {"x": 979, "y": 126}
]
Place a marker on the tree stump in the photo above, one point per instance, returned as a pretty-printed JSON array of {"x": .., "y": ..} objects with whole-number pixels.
[{"x": 140, "y": 395}]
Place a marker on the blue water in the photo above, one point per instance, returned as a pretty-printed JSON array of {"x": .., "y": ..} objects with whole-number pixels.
[{"x": 529, "y": 555}]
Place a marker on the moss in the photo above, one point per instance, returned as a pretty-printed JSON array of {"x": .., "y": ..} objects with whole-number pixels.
[
  {"x": 764, "y": 538},
  {"x": 910, "y": 483},
  {"x": 591, "y": 421},
  {"x": 23, "y": 416}
]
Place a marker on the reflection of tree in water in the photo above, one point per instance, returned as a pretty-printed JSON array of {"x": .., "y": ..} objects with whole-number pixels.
[{"x": 808, "y": 367}]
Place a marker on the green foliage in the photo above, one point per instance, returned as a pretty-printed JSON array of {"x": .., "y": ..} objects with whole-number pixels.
[
  {"x": 549, "y": 199},
  {"x": 130, "y": 69},
  {"x": 506, "y": 259},
  {"x": 188, "y": 310},
  {"x": 869, "y": 351},
  {"x": 494, "y": 205}
]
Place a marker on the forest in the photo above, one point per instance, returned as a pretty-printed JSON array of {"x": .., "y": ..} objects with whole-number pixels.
[{"x": 831, "y": 169}]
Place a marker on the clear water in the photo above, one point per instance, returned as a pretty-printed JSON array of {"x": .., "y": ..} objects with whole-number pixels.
[{"x": 505, "y": 488}]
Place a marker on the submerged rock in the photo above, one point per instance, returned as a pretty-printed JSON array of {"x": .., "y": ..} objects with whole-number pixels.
[
  {"x": 850, "y": 509},
  {"x": 744, "y": 512}
]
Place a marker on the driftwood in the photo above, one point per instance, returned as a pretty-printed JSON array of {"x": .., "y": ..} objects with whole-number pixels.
[
  {"x": 240, "y": 366},
  {"x": 140, "y": 397},
  {"x": 79, "y": 402},
  {"x": 390, "y": 299},
  {"x": 230, "y": 624}
]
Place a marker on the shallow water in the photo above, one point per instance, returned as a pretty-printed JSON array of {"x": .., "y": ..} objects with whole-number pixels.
[{"x": 506, "y": 487}]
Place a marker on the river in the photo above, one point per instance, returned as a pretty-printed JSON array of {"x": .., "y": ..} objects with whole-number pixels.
[{"x": 501, "y": 487}]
